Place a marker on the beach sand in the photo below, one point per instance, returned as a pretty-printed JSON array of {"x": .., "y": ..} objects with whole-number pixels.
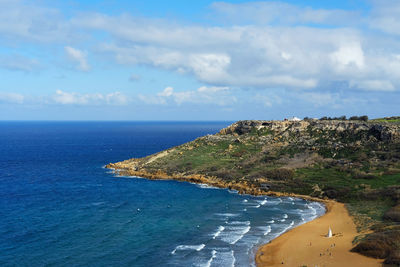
[{"x": 307, "y": 245}]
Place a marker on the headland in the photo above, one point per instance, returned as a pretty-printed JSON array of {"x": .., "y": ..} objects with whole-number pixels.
[{"x": 355, "y": 162}]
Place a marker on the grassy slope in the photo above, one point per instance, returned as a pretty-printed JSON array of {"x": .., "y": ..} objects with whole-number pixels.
[{"x": 332, "y": 166}]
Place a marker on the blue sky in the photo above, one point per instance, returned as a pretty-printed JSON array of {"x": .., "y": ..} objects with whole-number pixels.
[{"x": 198, "y": 60}]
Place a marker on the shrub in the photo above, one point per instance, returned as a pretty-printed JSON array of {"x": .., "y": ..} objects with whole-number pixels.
[
  {"x": 359, "y": 118},
  {"x": 380, "y": 245},
  {"x": 354, "y": 118},
  {"x": 363, "y": 175},
  {"x": 279, "y": 174},
  {"x": 393, "y": 214},
  {"x": 227, "y": 174},
  {"x": 364, "y": 118},
  {"x": 394, "y": 258}
]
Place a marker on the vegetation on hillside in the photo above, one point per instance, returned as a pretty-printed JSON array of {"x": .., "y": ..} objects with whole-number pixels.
[{"x": 352, "y": 161}]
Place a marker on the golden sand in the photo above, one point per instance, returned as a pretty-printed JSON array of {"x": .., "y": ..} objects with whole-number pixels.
[{"x": 307, "y": 245}]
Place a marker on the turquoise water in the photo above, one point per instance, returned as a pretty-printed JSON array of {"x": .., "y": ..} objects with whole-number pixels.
[{"x": 60, "y": 207}]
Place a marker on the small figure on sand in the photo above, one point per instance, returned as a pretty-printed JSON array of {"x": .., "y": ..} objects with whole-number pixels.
[{"x": 329, "y": 235}]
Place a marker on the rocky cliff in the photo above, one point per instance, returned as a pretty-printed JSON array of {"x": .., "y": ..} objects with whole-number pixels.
[{"x": 356, "y": 162}]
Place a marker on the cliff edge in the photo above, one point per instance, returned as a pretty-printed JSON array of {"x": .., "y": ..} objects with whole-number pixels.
[{"x": 352, "y": 161}]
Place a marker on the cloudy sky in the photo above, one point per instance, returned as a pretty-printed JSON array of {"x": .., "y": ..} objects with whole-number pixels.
[{"x": 198, "y": 60}]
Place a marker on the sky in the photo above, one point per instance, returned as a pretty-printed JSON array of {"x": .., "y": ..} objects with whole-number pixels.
[{"x": 198, "y": 60}]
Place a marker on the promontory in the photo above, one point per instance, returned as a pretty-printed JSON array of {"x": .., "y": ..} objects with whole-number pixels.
[{"x": 356, "y": 162}]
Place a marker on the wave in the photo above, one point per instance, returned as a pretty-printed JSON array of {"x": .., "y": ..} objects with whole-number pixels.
[
  {"x": 239, "y": 223},
  {"x": 268, "y": 230},
  {"x": 98, "y": 203},
  {"x": 271, "y": 221},
  {"x": 223, "y": 258},
  {"x": 213, "y": 255},
  {"x": 285, "y": 216},
  {"x": 188, "y": 247},
  {"x": 206, "y": 186},
  {"x": 286, "y": 228},
  {"x": 313, "y": 210},
  {"x": 262, "y": 202},
  {"x": 234, "y": 234},
  {"x": 227, "y": 214},
  {"x": 219, "y": 231},
  {"x": 245, "y": 200},
  {"x": 282, "y": 220}
]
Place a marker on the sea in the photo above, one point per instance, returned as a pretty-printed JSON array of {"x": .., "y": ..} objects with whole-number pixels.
[{"x": 59, "y": 206}]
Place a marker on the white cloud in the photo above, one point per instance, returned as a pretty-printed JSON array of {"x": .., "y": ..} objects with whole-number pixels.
[
  {"x": 349, "y": 55},
  {"x": 373, "y": 85},
  {"x": 26, "y": 21},
  {"x": 219, "y": 96},
  {"x": 320, "y": 99},
  {"x": 78, "y": 56},
  {"x": 279, "y": 12},
  {"x": 267, "y": 45},
  {"x": 72, "y": 98},
  {"x": 268, "y": 100},
  {"x": 12, "y": 98},
  {"x": 19, "y": 63},
  {"x": 385, "y": 16}
]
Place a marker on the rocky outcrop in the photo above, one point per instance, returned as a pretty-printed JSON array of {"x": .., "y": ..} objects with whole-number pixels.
[
  {"x": 339, "y": 159},
  {"x": 380, "y": 131}
]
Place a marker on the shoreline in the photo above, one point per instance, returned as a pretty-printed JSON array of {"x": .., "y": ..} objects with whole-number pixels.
[
  {"x": 336, "y": 216},
  {"x": 307, "y": 244}
]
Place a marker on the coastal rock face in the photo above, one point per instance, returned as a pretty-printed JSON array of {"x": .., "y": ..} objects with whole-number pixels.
[
  {"x": 356, "y": 162},
  {"x": 385, "y": 132},
  {"x": 252, "y": 153}
]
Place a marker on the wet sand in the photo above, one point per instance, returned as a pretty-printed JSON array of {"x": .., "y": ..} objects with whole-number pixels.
[{"x": 307, "y": 245}]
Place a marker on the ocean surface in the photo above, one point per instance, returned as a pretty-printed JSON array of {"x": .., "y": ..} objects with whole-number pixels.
[{"x": 60, "y": 207}]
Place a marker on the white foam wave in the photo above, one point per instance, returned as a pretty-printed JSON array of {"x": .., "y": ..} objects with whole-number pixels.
[
  {"x": 245, "y": 200},
  {"x": 233, "y": 191},
  {"x": 213, "y": 255},
  {"x": 268, "y": 230},
  {"x": 224, "y": 258},
  {"x": 282, "y": 220},
  {"x": 286, "y": 228},
  {"x": 98, "y": 203},
  {"x": 188, "y": 247},
  {"x": 206, "y": 186},
  {"x": 219, "y": 231},
  {"x": 262, "y": 202},
  {"x": 271, "y": 221},
  {"x": 235, "y": 234},
  {"x": 227, "y": 214},
  {"x": 239, "y": 223},
  {"x": 285, "y": 216}
]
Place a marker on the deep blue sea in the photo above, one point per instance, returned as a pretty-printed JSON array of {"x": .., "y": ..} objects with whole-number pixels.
[{"x": 60, "y": 207}]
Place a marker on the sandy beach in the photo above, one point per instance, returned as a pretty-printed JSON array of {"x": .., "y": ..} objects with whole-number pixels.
[{"x": 307, "y": 245}]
